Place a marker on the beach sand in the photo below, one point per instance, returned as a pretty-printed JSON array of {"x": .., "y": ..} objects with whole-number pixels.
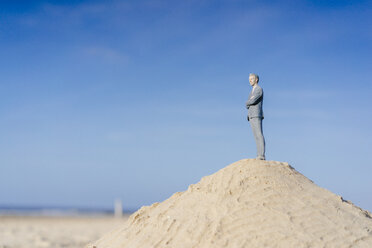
[
  {"x": 248, "y": 204},
  {"x": 54, "y": 232}
]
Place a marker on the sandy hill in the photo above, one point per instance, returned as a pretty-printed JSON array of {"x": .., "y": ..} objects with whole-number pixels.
[{"x": 249, "y": 203}]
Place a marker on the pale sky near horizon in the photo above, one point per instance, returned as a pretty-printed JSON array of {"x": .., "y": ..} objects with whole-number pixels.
[{"x": 138, "y": 99}]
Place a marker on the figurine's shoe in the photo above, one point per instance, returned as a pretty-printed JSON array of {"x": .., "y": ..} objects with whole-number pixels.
[{"x": 260, "y": 158}]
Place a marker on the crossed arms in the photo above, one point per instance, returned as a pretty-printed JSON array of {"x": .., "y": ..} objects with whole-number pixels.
[{"x": 254, "y": 99}]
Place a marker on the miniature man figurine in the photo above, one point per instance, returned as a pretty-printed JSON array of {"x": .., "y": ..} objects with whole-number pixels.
[{"x": 255, "y": 114}]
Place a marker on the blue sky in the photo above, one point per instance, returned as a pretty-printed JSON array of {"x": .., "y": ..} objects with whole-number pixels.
[{"x": 138, "y": 99}]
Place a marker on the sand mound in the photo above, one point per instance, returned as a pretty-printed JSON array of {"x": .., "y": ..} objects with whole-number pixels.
[{"x": 249, "y": 203}]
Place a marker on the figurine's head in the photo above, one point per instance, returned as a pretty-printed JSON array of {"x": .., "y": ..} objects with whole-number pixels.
[{"x": 253, "y": 79}]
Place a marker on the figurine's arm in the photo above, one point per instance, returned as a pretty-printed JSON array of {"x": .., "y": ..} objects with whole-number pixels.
[{"x": 254, "y": 98}]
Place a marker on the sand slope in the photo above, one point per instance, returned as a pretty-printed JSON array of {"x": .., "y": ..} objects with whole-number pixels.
[{"x": 249, "y": 203}]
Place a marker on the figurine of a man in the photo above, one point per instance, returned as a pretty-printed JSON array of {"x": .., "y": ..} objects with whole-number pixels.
[{"x": 255, "y": 114}]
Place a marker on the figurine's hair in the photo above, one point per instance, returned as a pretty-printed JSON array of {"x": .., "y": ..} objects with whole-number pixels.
[{"x": 255, "y": 75}]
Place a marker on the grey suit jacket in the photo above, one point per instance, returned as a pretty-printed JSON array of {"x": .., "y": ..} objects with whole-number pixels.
[{"x": 254, "y": 103}]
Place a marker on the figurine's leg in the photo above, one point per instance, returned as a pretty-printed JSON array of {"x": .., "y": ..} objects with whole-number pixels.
[
  {"x": 256, "y": 124},
  {"x": 261, "y": 141}
]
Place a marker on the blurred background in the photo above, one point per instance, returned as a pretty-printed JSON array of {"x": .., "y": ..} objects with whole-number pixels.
[{"x": 135, "y": 100}]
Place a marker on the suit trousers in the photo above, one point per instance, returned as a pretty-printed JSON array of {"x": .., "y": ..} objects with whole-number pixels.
[{"x": 256, "y": 124}]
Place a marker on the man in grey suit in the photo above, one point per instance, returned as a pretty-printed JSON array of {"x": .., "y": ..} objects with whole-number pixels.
[{"x": 255, "y": 114}]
